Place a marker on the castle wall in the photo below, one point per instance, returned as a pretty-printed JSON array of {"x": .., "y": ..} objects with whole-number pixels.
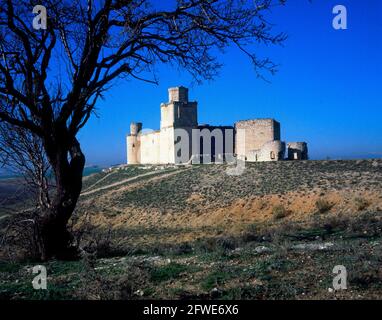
[
  {"x": 150, "y": 148},
  {"x": 257, "y": 133},
  {"x": 183, "y": 144},
  {"x": 213, "y": 143},
  {"x": 185, "y": 114},
  {"x": 166, "y": 115},
  {"x": 167, "y": 153},
  {"x": 270, "y": 151}
]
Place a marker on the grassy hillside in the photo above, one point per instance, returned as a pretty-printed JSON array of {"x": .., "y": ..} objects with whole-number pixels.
[
  {"x": 205, "y": 197},
  {"x": 276, "y": 231}
]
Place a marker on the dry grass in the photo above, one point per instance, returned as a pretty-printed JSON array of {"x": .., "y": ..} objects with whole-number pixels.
[{"x": 181, "y": 233}]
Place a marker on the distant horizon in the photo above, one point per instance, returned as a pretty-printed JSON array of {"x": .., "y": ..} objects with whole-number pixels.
[{"x": 6, "y": 174}]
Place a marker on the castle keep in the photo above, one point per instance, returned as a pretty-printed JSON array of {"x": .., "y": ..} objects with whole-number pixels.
[{"x": 181, "y": 140}]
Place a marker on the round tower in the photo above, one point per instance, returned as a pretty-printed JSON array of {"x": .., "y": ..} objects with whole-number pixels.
[
  {"x": 297, "y": 151},
  {"x": 135, "y": 128},
  {"x": 134, "y": 144}
]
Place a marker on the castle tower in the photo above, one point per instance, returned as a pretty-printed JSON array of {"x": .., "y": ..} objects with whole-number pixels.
[
  {"x": 178, "y": 94},
  {"x": 298, "y": 151},
  {"x": 257, "y": 133},
  {"x": 178, "y": 112},
  {"x": 134, "y": 143}
]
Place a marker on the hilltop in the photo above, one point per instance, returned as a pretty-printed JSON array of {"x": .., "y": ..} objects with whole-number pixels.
[
  {"x": 205, "y": 196},
  {"x": 182, "y": 232}
]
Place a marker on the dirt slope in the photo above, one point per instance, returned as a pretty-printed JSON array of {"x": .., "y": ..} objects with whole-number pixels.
[{"x": 204, "y": 200}]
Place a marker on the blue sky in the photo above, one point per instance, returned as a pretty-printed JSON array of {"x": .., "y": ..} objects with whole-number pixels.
[{"x": 327, "y": 91}]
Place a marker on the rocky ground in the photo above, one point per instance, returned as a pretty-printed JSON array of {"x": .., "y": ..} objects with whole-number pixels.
[{"x": 275, "y": 232}]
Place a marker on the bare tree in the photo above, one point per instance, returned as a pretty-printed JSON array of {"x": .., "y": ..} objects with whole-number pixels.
[
  {"x": 51, "y": 80},
  {"x": 22, "y": 152}
]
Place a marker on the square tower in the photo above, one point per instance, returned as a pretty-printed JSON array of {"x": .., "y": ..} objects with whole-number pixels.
[
  {"x": 178, "y": 112},
  {"x": 178, "y": 94},
  {"x": 257, "y": 133}
]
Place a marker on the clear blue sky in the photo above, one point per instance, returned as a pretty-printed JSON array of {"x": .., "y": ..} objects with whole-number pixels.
[{"x": 327, "y": 91}]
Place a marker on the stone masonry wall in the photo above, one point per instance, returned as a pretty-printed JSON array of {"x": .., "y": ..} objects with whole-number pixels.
[
  {"x": 257, "y": 133},
  {"x": 150, "y": 148}
]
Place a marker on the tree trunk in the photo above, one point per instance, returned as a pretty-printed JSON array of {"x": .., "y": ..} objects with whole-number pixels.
[{"x": 54, "y": 238}]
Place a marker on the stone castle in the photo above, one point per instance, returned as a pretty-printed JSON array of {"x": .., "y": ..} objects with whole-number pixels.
[{"x": 182, "y": 140}]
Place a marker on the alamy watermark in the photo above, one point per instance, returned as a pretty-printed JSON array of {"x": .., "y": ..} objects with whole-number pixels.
[
  {"x": 209, "y": 146},
  {"x": 340, "y": 19},
  {"x": 40, "y": 281},
  {"x": 340, "y": 280},
  {"x": 41, "y": 20}
]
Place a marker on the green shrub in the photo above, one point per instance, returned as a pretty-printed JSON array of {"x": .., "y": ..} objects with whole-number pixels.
[
  {"x": 164, "y": 273},
  {"x": 10, "y": 267},
  {"x": 215, "y": 279}
]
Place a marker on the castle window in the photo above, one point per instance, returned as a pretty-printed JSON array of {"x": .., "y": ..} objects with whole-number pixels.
[
  {"x": 133, "y": 145},
  {"x": 295, "y": 156},
  {"x": 273, "y": 155}
]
